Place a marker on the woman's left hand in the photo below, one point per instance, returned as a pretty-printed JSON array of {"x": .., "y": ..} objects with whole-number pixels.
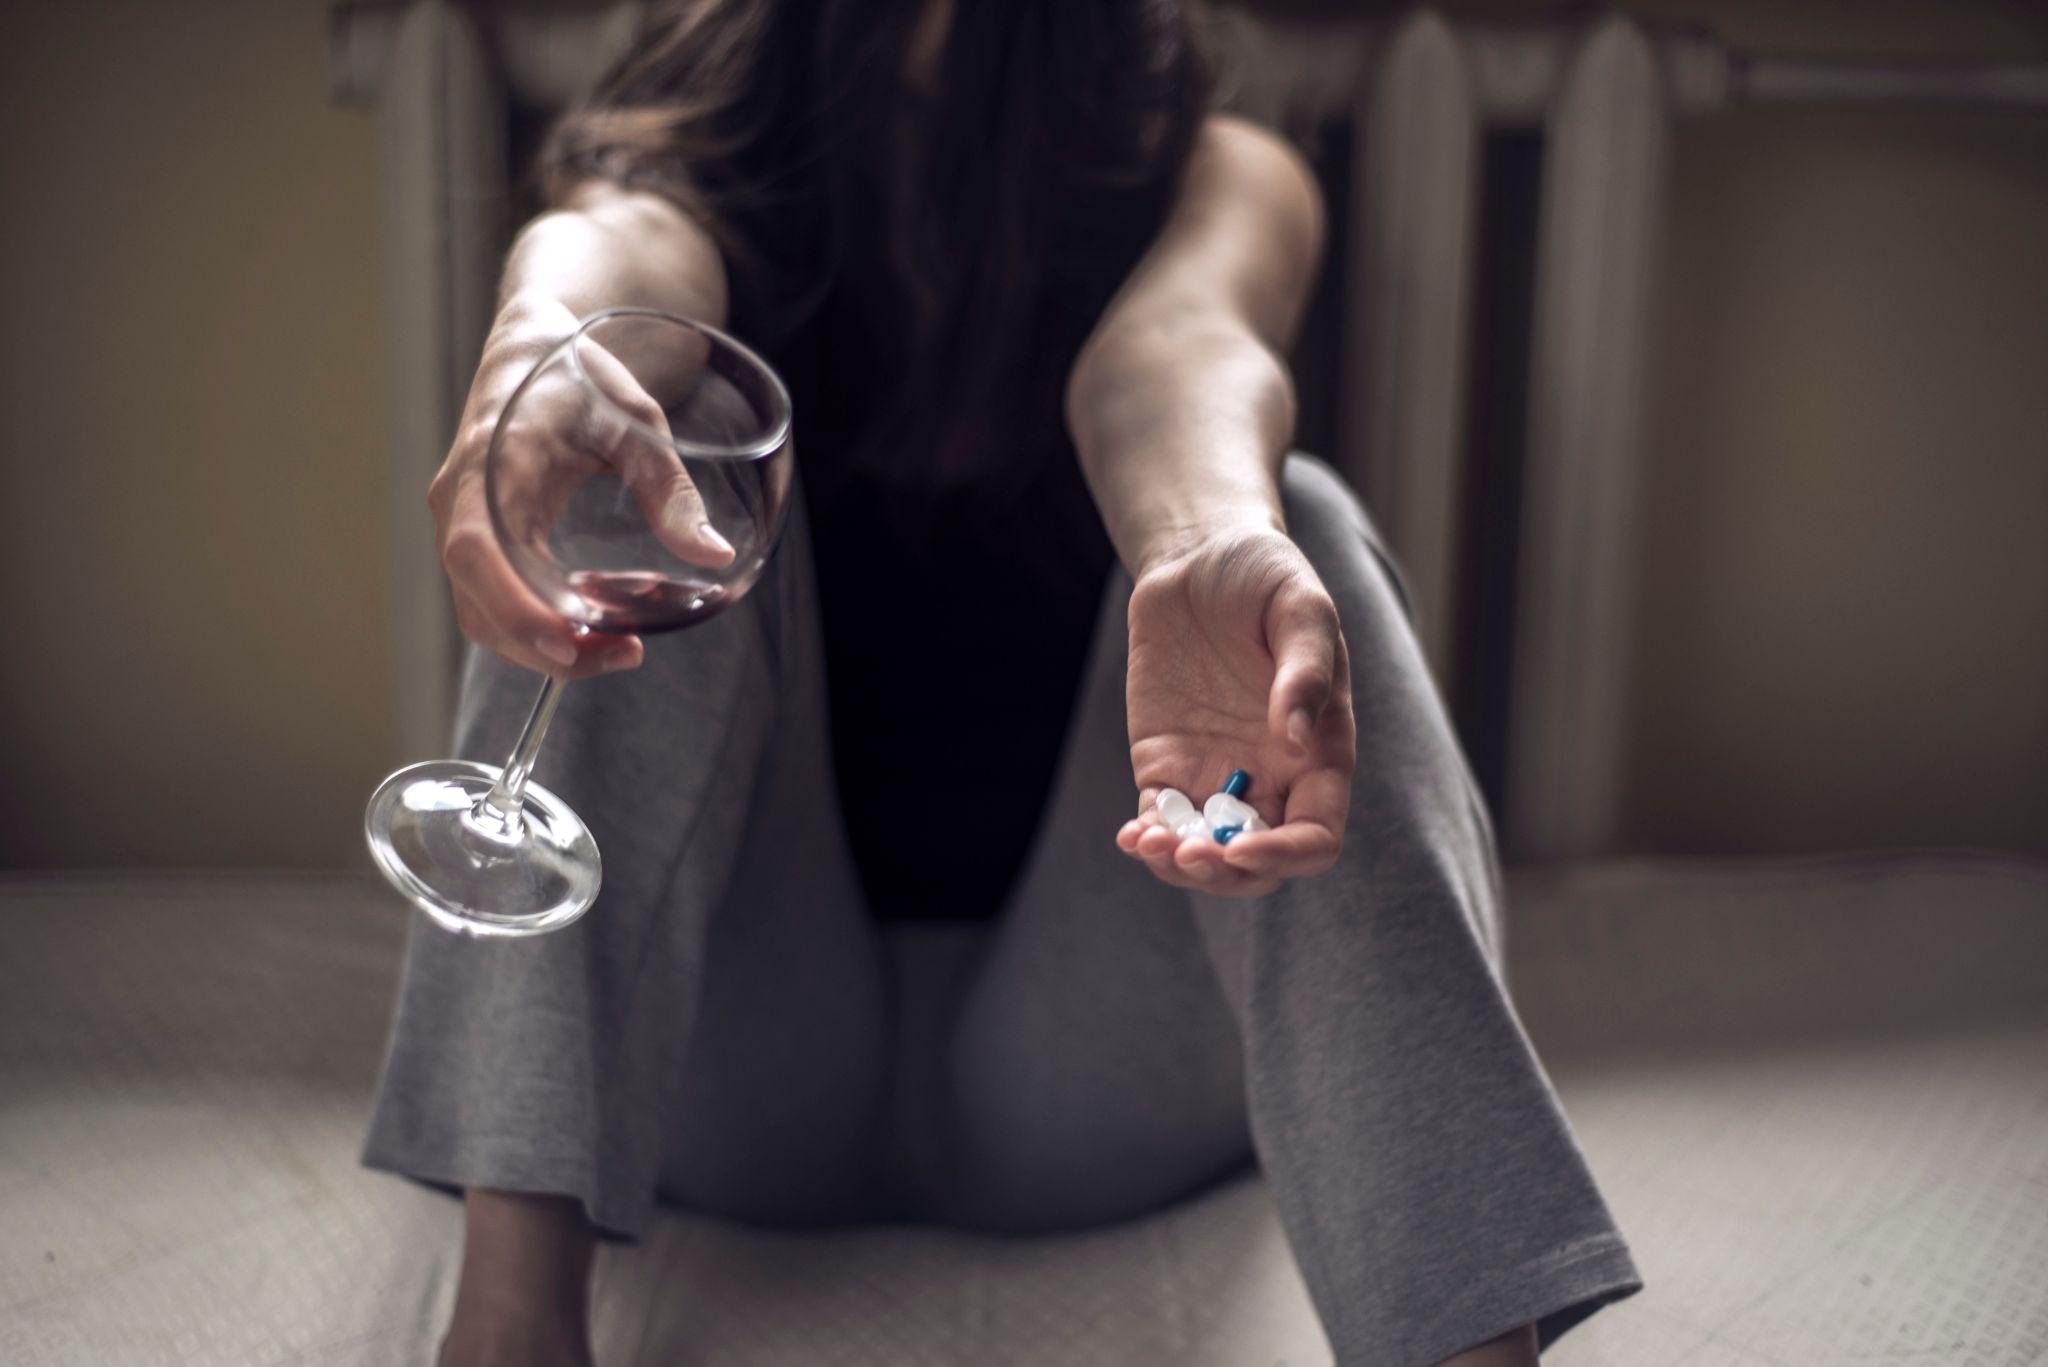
[{"x": 1237, "y": 661}]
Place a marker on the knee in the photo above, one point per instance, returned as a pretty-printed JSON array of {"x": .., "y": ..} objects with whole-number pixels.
[
  {"x": 1317, "y": 498},
  {"x": 1330, "y": 524}
]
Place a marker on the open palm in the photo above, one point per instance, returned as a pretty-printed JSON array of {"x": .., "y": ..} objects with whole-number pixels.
[{"x": 1237, "y": 662}]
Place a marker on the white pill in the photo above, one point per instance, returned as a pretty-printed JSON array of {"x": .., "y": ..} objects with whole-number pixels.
[
  {"x": 1224, "y": 810},
  {"x": 1174, "y": 807}
]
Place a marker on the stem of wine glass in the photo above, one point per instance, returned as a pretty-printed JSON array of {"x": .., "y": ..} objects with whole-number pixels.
[{"x": 499, "y": 808}]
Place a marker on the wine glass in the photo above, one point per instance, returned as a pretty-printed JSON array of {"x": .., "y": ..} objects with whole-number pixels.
[{"x": 637, "y": 480}]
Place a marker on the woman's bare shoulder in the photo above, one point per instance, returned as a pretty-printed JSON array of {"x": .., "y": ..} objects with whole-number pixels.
[{"x": 1244, "y": 156}]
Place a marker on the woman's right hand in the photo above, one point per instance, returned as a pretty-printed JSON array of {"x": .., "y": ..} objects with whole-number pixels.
[
  {"x": 493, "y": 605},
  {"x": 556, "y": 444}
]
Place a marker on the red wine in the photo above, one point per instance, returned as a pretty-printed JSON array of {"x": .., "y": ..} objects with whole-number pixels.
[{"x": 644, "y": 602}]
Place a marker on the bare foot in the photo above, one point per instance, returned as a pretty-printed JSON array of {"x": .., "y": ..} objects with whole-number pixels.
[{"x": 524, "y": 1296}]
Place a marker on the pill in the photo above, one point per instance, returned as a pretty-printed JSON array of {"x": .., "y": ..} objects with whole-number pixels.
[
  {"x": 1226, "y": 834},
  {"x": 1224, "y": 809},
  {"x": 1173, "y": 806},
  {"x": 1238, "y": 784}
]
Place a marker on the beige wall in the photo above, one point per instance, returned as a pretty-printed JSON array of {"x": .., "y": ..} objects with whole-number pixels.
[
  {"x": 192, "y": 495},
  {"x": 1845, "y": 593},
  {"x": 1845, "y": 612}
]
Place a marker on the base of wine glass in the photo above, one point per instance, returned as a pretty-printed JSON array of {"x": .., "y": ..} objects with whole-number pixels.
[{"x": 474, "y": 876}]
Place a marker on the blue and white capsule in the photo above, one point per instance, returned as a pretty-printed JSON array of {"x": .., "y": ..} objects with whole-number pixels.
[{"x": 1227, "y": 814}]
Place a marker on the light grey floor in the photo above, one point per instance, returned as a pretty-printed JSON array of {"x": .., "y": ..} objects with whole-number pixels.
[{"x": 1817, "y": 1092}]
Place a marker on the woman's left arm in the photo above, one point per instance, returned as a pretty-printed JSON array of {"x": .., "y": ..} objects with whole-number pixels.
[
  {"x": 1182, "y": 410},
  {"x": 1180, "y": 403}
]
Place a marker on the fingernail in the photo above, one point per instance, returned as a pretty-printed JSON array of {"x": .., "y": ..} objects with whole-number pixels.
[
  {"x": 1300, "y": 727},
  {"x": 617, "y": 659},
  {"x": 556, "y": 649},
  {"x": 711, "y": 538}
]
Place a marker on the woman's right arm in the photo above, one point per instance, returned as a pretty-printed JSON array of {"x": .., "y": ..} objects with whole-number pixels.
[{"x": 604, "y": 248}]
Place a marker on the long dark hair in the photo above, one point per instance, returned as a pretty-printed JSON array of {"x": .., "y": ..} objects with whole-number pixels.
[{"x": 977, "y": 231}]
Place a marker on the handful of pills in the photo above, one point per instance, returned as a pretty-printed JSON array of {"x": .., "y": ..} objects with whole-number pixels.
[{"x": 1224, "y": 817}]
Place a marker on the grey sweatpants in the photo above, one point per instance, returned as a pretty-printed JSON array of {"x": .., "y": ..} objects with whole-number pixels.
[{"x": 730, "y": 1029}]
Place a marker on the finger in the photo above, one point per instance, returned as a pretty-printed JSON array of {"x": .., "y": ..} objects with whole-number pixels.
[
  {"x": 671, "y": 503},
  {"x": 607, "y": 652},
  {"x": 535, "y": 470},
  {"x": 1204, "y": 875},
  {"x": 1297, "y": 850},
  {"x": 1133, "y": 831},
  {"x": 1201, "y": 860},
  {"x": 504, "y": 615},
  {"x": 1155, "y": 840},
  {"x": 1302, "y": 633},
  {"x": 1148, "y": 815},
  {"x": 1320, "y": 797},
  {"x": 647, "y": 462},
  {"x": 593, "y": 653},
  {"x": 477, "y": 627},
  {"x": 507, "y": 616},
  {"x": 1200, "y": 864},
  {"x": 1155, "y": 849}
]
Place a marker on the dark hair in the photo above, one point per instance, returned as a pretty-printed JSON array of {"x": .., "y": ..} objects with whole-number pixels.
[{"x": 981, "y": 228}]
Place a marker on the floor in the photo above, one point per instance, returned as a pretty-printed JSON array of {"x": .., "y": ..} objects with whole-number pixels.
[{"x": 1816, "y": 1092}]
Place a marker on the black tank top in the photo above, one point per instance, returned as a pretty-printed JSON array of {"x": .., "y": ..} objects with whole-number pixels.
[
  {"x": 957, "y": 616},
  {"x": 952, "y": 666}
]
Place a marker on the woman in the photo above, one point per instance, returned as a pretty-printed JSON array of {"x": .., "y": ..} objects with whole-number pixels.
[{"x": 1052, "y": 556}]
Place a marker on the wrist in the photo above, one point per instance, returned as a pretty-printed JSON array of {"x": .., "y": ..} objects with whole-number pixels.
[
  {"x": 527, "y": 312},
  {"x": 527, "y": 325},
  {"x": 1173, "y": 541}
]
